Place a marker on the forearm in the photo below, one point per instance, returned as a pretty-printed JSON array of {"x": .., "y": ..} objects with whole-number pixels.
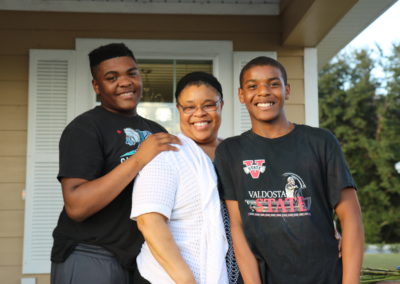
[
  {"x": 352, "y": 252},
  {"x": 349, "y": 214},
  {"x": 163, "y": 247},
  {"x": 245, "y": 258},
  {"x": 84, "y": 198}
]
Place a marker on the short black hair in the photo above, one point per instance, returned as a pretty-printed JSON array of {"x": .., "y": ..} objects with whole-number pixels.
[
  {"x": 108, "y": 51},
  {"x": 198, "y": 78},
  {"x": 263, "y": 61}
]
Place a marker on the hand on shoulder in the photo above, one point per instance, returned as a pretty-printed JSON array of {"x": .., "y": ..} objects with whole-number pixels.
[{"x": 155, "y": 144}]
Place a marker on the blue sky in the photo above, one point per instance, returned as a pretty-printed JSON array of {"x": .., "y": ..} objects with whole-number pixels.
[{"x": 383, "y": 31}]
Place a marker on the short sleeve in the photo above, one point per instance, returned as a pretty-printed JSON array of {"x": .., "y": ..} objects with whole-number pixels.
[
  {"x": 155, "y": 187},
  {"x": 224, "y": 172},
  {"x": 81, "y": 155},
  {"x": 338, "y": 173}
]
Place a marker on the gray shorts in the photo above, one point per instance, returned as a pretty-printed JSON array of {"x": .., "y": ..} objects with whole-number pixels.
[{"x": 90, "y": 264}]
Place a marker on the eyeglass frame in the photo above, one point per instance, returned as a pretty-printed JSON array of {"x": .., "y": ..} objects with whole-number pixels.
[{"x": 217, "y": 103}]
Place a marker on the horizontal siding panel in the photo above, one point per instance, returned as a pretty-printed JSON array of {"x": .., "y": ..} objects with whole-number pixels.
[
  {"x": 13, "y": 118},
  {"x": 13, "y": 93},
  {"x": 11, "y": 196},
  {"x": 12, "y": 169},
  {"x": 11, "y": 251},
  {"x": 297, "y": 92},
  {"x": 295, "y": 113},
  {"x": 12, "y": 143},
  {"x": 12, "y": 223},
  {"x": 11, "y": 274},
  {"x": 39, "y": 21},
  {"x": 13, "y": 67},
  {"x": 19, "y": 42},
  {"x": 294, "y": 66}
]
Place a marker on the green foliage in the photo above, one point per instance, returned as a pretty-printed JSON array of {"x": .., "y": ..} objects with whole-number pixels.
[{"x": 368, "y": 127}]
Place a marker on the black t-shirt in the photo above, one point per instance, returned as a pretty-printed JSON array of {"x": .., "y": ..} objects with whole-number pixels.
[
  {"x": 286, "y": 189},
  {"x": 92, "y": 145}
]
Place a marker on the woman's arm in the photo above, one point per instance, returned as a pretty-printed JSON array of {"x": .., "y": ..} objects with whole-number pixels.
[
  {"x": 349, "y": 214},
  {"x": 245, "y": 258},
  {"x": 163, "y": 247}
]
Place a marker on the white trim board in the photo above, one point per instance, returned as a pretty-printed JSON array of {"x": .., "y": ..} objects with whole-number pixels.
[
  {"x": 311, "y": 87},
  {"x": 145, "y": 7}
]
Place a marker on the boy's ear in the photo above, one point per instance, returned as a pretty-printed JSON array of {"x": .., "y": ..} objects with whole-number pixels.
[
  {"x": 95, "y": 87},
  {"x": 287, "y": 90},
  {"x": 241, "y": 95}
]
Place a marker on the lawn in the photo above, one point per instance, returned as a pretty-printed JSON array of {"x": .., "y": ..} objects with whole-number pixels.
[
  {"x": 378, "y": 267},
  {"x": 382, "y": 261}
]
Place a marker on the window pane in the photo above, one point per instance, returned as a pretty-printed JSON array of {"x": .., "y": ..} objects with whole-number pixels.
[
  {"x": 186, "y": 66},
  {"x": 158, "y": 80}
]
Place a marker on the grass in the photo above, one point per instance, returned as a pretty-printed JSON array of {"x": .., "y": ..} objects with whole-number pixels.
[
  {"x": 380, "y": 267},
  {"x": 382, "y": 261}
]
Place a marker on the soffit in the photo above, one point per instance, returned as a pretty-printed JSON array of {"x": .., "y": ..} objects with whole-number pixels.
[
  {"x": 359, "y": 17},
  {"x": 327, "y": 25}
]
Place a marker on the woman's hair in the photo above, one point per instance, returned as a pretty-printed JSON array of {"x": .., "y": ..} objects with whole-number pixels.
[{"x": 197, "y": 78}]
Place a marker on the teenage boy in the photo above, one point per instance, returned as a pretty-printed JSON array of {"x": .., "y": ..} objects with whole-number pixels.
[
  {"x": 282, "y": 183},
  {"x": 101, "y": 152}
]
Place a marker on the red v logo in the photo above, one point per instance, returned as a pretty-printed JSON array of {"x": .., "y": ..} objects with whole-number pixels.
[{"x": 254, "y": 167}]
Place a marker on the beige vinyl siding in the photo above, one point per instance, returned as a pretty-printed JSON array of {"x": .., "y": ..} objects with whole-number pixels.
[
  {"x": 294, "y": 107},
  {"x": 21, "y": 31},
  {"x": 13, "y": 127}
]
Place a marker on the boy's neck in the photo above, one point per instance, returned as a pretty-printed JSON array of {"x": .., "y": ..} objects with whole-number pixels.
[{"x": 274, "y": 130}]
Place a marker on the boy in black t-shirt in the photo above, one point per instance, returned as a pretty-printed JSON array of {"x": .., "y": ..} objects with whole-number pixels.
[
  {"x": 282, "y": 184},
  {"x": 101, "y": 152}
]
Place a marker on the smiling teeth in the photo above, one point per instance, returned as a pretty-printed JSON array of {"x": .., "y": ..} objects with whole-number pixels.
[
  {"x": 127, "y": 94},
  {"x": 200, "y": 123},
  {"x": 264, "y": 104}
]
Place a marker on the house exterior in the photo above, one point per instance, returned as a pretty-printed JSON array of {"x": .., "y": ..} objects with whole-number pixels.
[{"x": 45, "y": 82}]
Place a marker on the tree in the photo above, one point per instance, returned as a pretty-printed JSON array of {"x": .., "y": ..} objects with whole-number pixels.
[
  {"x": 388, "y": 147},
  {"x": 367, "y": 126}
]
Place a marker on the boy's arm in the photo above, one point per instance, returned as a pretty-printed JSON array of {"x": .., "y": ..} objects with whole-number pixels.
[
  {"x": 163, "y": 247},
  {"x": 245, "y": 258},
  {"x": 83, "y": 198},
  {"x": 349, "y": 214}
]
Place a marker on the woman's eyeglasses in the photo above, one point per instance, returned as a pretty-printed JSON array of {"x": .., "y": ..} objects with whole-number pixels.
[{"x": 208, "y": 107}]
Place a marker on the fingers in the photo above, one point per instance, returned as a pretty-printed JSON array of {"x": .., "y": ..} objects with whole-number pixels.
[
  {"x": 158, "y": 142},
  {"x": 165, "y": 138},
  {"x": 339, "y": 238}
]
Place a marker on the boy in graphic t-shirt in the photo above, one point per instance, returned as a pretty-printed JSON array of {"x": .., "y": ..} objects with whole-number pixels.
[
  {"x": 282, "y": 183},
  {"x": 101, "y": 152}
]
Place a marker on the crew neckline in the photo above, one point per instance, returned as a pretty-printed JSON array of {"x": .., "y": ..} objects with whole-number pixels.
[{"x": 255, "y": 136}]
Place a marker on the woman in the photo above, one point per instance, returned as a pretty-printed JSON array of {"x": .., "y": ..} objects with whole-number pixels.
[{"x": 175, "y": 197}]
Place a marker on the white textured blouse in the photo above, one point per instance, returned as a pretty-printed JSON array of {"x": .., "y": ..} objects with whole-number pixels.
[{"x": 182, "y": 186}]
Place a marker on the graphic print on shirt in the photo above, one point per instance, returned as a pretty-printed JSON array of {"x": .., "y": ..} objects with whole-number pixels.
[
  {"x": 254, "y": 167},
  {"x": 133, "y": 138},
  {"x": 289, "y": 200}
]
